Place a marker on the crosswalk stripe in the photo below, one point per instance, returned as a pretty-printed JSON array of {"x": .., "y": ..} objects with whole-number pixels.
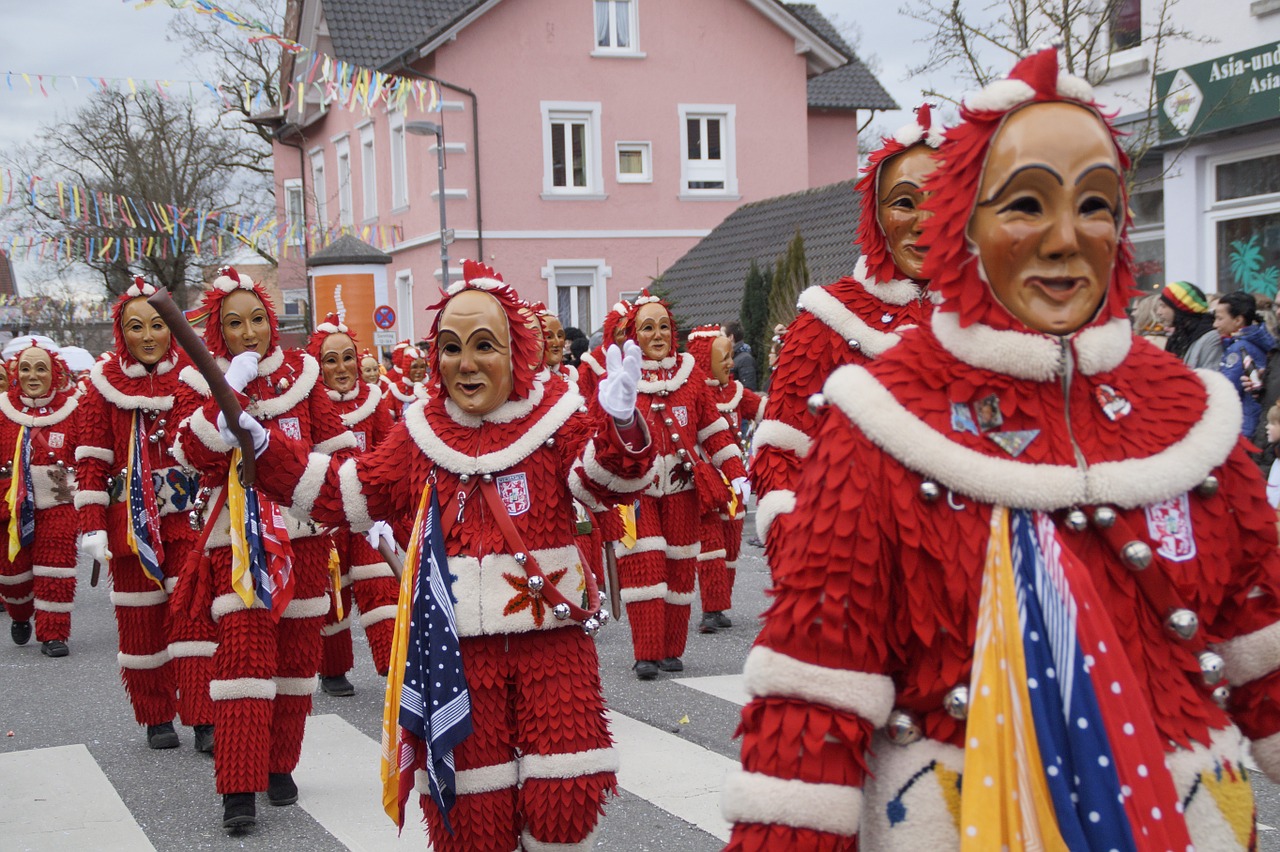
[
  {"x": 58, "y": 798},
  {"x": 730, "y": 687}
]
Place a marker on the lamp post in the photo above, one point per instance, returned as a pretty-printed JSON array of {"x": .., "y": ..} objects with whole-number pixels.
[{"x": 431, "y": 128}]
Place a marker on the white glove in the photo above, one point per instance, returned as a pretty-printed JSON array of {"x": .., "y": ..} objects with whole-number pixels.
[
  {"x": 95, "y": 544},
  {"x": 255, "y": 429},
  {"x": 380, "y": 531},
  {"x": 243, "y": 369},
  {"x": 617, "y": 391},
  {"x": 743, "y": 486}
]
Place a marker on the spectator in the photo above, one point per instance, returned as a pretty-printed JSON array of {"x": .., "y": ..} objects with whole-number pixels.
[
  {"x": 1185, "y": 309},
  {"x": 744, "y": 363},
  {"x": 578, "y": 348},
  {"x": 571, "y": 354},
  {"x": 1245, "y": 345},
  {"x": 1151, "y": 318},
  {"x": 1273, "y": 437}
]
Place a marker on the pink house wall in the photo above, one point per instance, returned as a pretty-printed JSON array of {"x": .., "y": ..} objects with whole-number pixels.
[{"x": 833, "y": 147}]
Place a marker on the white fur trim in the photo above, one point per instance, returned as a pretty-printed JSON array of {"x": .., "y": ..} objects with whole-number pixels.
[
  {"x": 1071, "y": 86},
  {"x": 327, "y": 328},
  {"x": 1253, "y": 655},
  {"x": 337, "y": 627},
  {"x": 242, "y": 687},
  {"x": 229, "y": 603},
  {"x": 1028, "y": 355},
  {"x": 53, "y": 606},
  {"x": 728, "y": 451},
  {"x": 911, "y": 133},
  {"x": 483, "y": 779},
  {"x": 666, "y": 363},
  {"x": 191, "y": 377},
  {"x": 269, "y": 409},
  {"x": 354, "y": 503},
  {"x": 752, "y": 797},
  {"x": 715, "y": 427},
  {"x": 642, "y": 545},
  {"x": 16, "y": 579},
  {"x": 679, "y": 598},
  {"x": 1128, "y": 483},
  {"x": 100, "y": 453},
  {"x": 170, "y": 583},
  {"x": 54, "y": 572},
  {"x": 571, "y": 765},
  {"x": 507, "y": 412},
  {"x": 142, "y": 662},
  {"x": 891, "y": 769},
  {"x": 1266, "y": 753},
  {"x": 591, "y": 362},
  {"x": 732, "y": 404},
  {"x": 18, "y": 601},
  {"x": 192, "y": 649},
  {"x": 309, "y": 484},
  {"x": 206, "y": 432},
  {"x": 896, "y": 291},
  {"x": 24, "y": 419},
  {"x": 155, "y": 598},
  {"x": 91, "y": 498},
  {"x": 636, "y": 594},
  {"x": 1000, "y": 96},
  {"x": 597, "y": 473},
  {"x": 1102, "y": 348},
  {"x": 373, "y": 616},
  {"x": 136, "y": 369},
  {"x": 770, "y": 674},
  {"x": 365, "y": 409},
  {"x": 530, "y": 439},
  {"x": 127, "y": 401},
  {"x": 784, "y": 436},
  {"x": 578, "y": 487},
  {"x": 296, "y": 685},
  {"x": 832, "y": 313},
  {"x": 372, "y": 571},
  {"x": 712, "y": 555},
  {"x": 670, "y": 385},
  {"x": 683, "y": 551},
  {"x": 316, "y": 607},
  {"x": 342, "y": 441},
  {"x": 529, "y": 843}
]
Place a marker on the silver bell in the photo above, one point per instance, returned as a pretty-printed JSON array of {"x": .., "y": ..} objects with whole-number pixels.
[
  {"x": 560, "y": 611},
  {"x": 667, "y": 421},
  {"x": 195, "y": 521},
  {"x": 1077, "y": 520},
  {"x": 1212, "y": 666},
  {"x": 550, "y": 442},
  {"x": 854, "y": 344},
  {"x": 521, "y": 558},
  {"x": 688, "y": 466},
  {"x": 1104, "y": 516},
  {"x": 591, "y": 626},
  {"x": 464, "y": 478},
  {"x": 535, "y": 586},
  {"x": 929, "y": 491},
  {"x": 956, "y": 702},
  {"x": 1137, "y": 554},
  {"x": 488, "y": 477},
  {"x": 152, "y": 438},
  {"x": 675, "y": 437},
  {"x": 816, "y": 403},
  {"x": 1221, "y": 695},
  {"x": 1182, "y": 623},
  {"x": 163, "y": 421},
  {"x": 1208, "y": 487},
  {"x": 61, "y": 463},
  {"x": 682, "y": 452},
  {"x": 902, "y": 728},
  {"x": 603, "y": 597},
  {"x": 603, "y": 616}
]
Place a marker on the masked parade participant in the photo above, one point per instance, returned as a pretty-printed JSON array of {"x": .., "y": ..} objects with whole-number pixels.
[
  {"x": 695, "y": 451},
  {"x": 554, "y": 341},
  {"x": 408, "y": 372},
  {"x": 133, "y": 501},
  {"x": 722, "y": 527},
  {"x": 266, "y": 577},
  {"x": 1020, "y": 569},
  {"x": 369, "y": 372},
  {"x": 592, "y": 368},
  {"x": 355, "y": 567},
  {"x": 39, "y": 432},
  {"x": 854, "y": 320},
  {"x": 491, "y": 461}
]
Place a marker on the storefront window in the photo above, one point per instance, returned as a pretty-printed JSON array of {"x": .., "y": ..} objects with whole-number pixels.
[
  {"x": 1260, "y": 176},
  {"x": 1147, "y": 229},
  {"x": 1249, "y": 254}
]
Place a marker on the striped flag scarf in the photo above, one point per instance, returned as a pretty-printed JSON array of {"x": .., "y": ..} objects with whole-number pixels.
[
  {"x": 261, "y": 556},
  {"x": 143, "y": 532},
  {"x": 1060, "y": 749},
  {"x": 21, "y": 497}
]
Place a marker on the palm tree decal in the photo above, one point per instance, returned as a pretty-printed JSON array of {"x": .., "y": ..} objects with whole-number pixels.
[{"x": 1247, "y": 269}]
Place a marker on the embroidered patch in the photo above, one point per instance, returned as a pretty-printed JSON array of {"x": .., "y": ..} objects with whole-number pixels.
[
  {"x": 56, "y": 440},
  {"x": 1114, "y": 404},
  {"x": 1169, "y": 522},
  {"x": 291, "y": 427},
  {"x": 962, "y": 418},
  {"x": 514, "y": 491},
  {"x": 1014, "y": 443},
  {"x": 681, "y": 413},
  {"x": 886, "y": 318},
  {"x": 361, "y": 441},
  {"x": 988, "y": 413},
  {"x": 1231, "y": 359}
]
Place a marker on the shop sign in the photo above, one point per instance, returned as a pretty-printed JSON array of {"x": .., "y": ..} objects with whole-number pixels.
[{"x": 1230, "y": 91}]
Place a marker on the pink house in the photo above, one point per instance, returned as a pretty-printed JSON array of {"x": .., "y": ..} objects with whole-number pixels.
[{"x": 587, "y": 145}]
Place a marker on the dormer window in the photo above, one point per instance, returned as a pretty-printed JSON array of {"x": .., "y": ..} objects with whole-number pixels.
[{"x": 616, "y": 23}]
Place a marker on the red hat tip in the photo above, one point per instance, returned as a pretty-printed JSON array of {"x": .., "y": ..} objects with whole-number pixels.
[
  {"x": 924, "y": 117},
  {"x": 473, "y": 269},
  {"x": 1039, "y": 71}
]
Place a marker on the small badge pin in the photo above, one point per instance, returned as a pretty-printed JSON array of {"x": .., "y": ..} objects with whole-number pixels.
[
  {"x": 1114, "y": 404},
  {"x": 1014, "y": 443},
  {"x": 886, "y": 318},
  {"x": 988, "y": 412},
  {"x": 962, "y": 418}
]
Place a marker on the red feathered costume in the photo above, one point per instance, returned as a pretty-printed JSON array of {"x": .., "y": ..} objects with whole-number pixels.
[
  {"x": 364, "y": 574},
  {"x": 1134, "y": 465},
  {"x": 400, "y": 392},
  {"x": 41, "y": 577},
  {"x": 535, "y": 771},
  {"x": 124, "y": 393},
  {"x": 852, "y": 321},
  {"x": 264, "y": 670}
]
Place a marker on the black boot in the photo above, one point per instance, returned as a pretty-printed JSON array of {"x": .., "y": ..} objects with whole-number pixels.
[
  {"x": 281, "y": 790},
  {"x": 708, "y": 623},
  {"x": 204, "y": 738},
  {"x": 339, "y": 686},
  {"x": 722, "y": 620},
  {"x": 671, "y": 664},
  {"x": 162, "y": 736},
  {"x": 20, "y": 631},
  {"x": 645, "y": 669},
  {"x": 239, "y": 813},
  {"x": 54, "y": 648}
]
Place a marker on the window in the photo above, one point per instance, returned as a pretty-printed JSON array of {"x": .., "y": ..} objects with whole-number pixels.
[
  {"x": 1126, "y": 24},
  {"x": 1245, "y": 221},
  {"x": 399, "y": 165},
  {"x": 634, "y": 163},
  {"x": 318, "y": 187},
  {"x": 404, "y": 302},
  {"x": 616, "y": 22},
  {"x": 295, "y": 218},
  {"x": 575, "y": 291},
  {"x": 368, "y": 174},
  {"x": 1147, "y": 231},
  {"x": 345, "y": 217},
  {"x": 571, "y": 150},
  {"x": 706, "y": 148}
]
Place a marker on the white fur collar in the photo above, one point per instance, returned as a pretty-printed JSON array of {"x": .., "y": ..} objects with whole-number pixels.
[
  {"x": 417, "y": 393},
  {"x": 26, "y": 419},
  {"x": 266, "y": 366},
  {"x": 362, "y": 411},
  {"x": 899, "y": 291},
  {"x": 136, "y": 370},
  {"x": 36, "y": 401},
  {"x": 509, "y": 411},
  {"x": 126, "y": 401},
  {"x": 1046, "y": 487},
  {"x": 1028, "y": 355},
  {"x": 590, "y": 361},
  {"x": 266, "y": 409},
  {"x": 832, "y": 313},
  {"x": 732, "y": 404},
  {"x": 534, "y": 435},
  {"x": 668, "y": 385}
]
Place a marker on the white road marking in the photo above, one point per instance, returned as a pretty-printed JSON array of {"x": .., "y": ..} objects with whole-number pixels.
[
  {"x": 53, "y": 799},
  {"x": 727, "y": 687}
]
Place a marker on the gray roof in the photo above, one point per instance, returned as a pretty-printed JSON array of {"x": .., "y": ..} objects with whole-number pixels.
[
  {"x": 347, "y": 249},
  {"x": 706, "y": 284},
  {"x": 373, "y": 32},
  {"x": 850, "y": 86}
]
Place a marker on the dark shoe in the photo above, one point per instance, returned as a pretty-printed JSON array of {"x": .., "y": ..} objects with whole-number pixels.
[
  {"x": 239, "y": 812},
  {"x": 708, "y": 623},
  {"x": 671, "y": 664},
  {"x": 162, "y": 736},
  {"x": 755, "y": 541},
  {"x": 722, "y": 620},
  {"x": 281, "y": 790},
  {"x": 645, "y": 669},
  {"x": 338, "y": 687},
  {"x": 20, "y": 631},
  {"x": 54, "y": 648},
  {"x": 204, "y": 738}
]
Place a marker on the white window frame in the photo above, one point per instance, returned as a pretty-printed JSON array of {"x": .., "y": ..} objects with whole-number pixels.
[
  {"x": 295, "y": 224},
  {"x": 646, "y": 156},
  {"x": 319, "y": 188},
  {"x": 727, "y": 114},
  {"x": 1234, "y": 208},
  {"x": 587, "y": 112},
  {"x": 633, "y": 25},
  {"x": 399, "y": 164},
  {"x": 342, "y": 148},
  {"x": 404, "y": 304},
  {"x": 599, "y": 287},
  {"x": 368, "y": 172}
]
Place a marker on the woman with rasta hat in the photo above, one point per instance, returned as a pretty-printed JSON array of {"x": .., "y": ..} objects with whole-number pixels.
[
  {"x": 1015, "y": 606},
  {"x": 1185, "y": 309}
]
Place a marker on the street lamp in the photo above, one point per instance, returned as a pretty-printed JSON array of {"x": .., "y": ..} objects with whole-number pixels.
[{"x": 430, "y": 128}]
